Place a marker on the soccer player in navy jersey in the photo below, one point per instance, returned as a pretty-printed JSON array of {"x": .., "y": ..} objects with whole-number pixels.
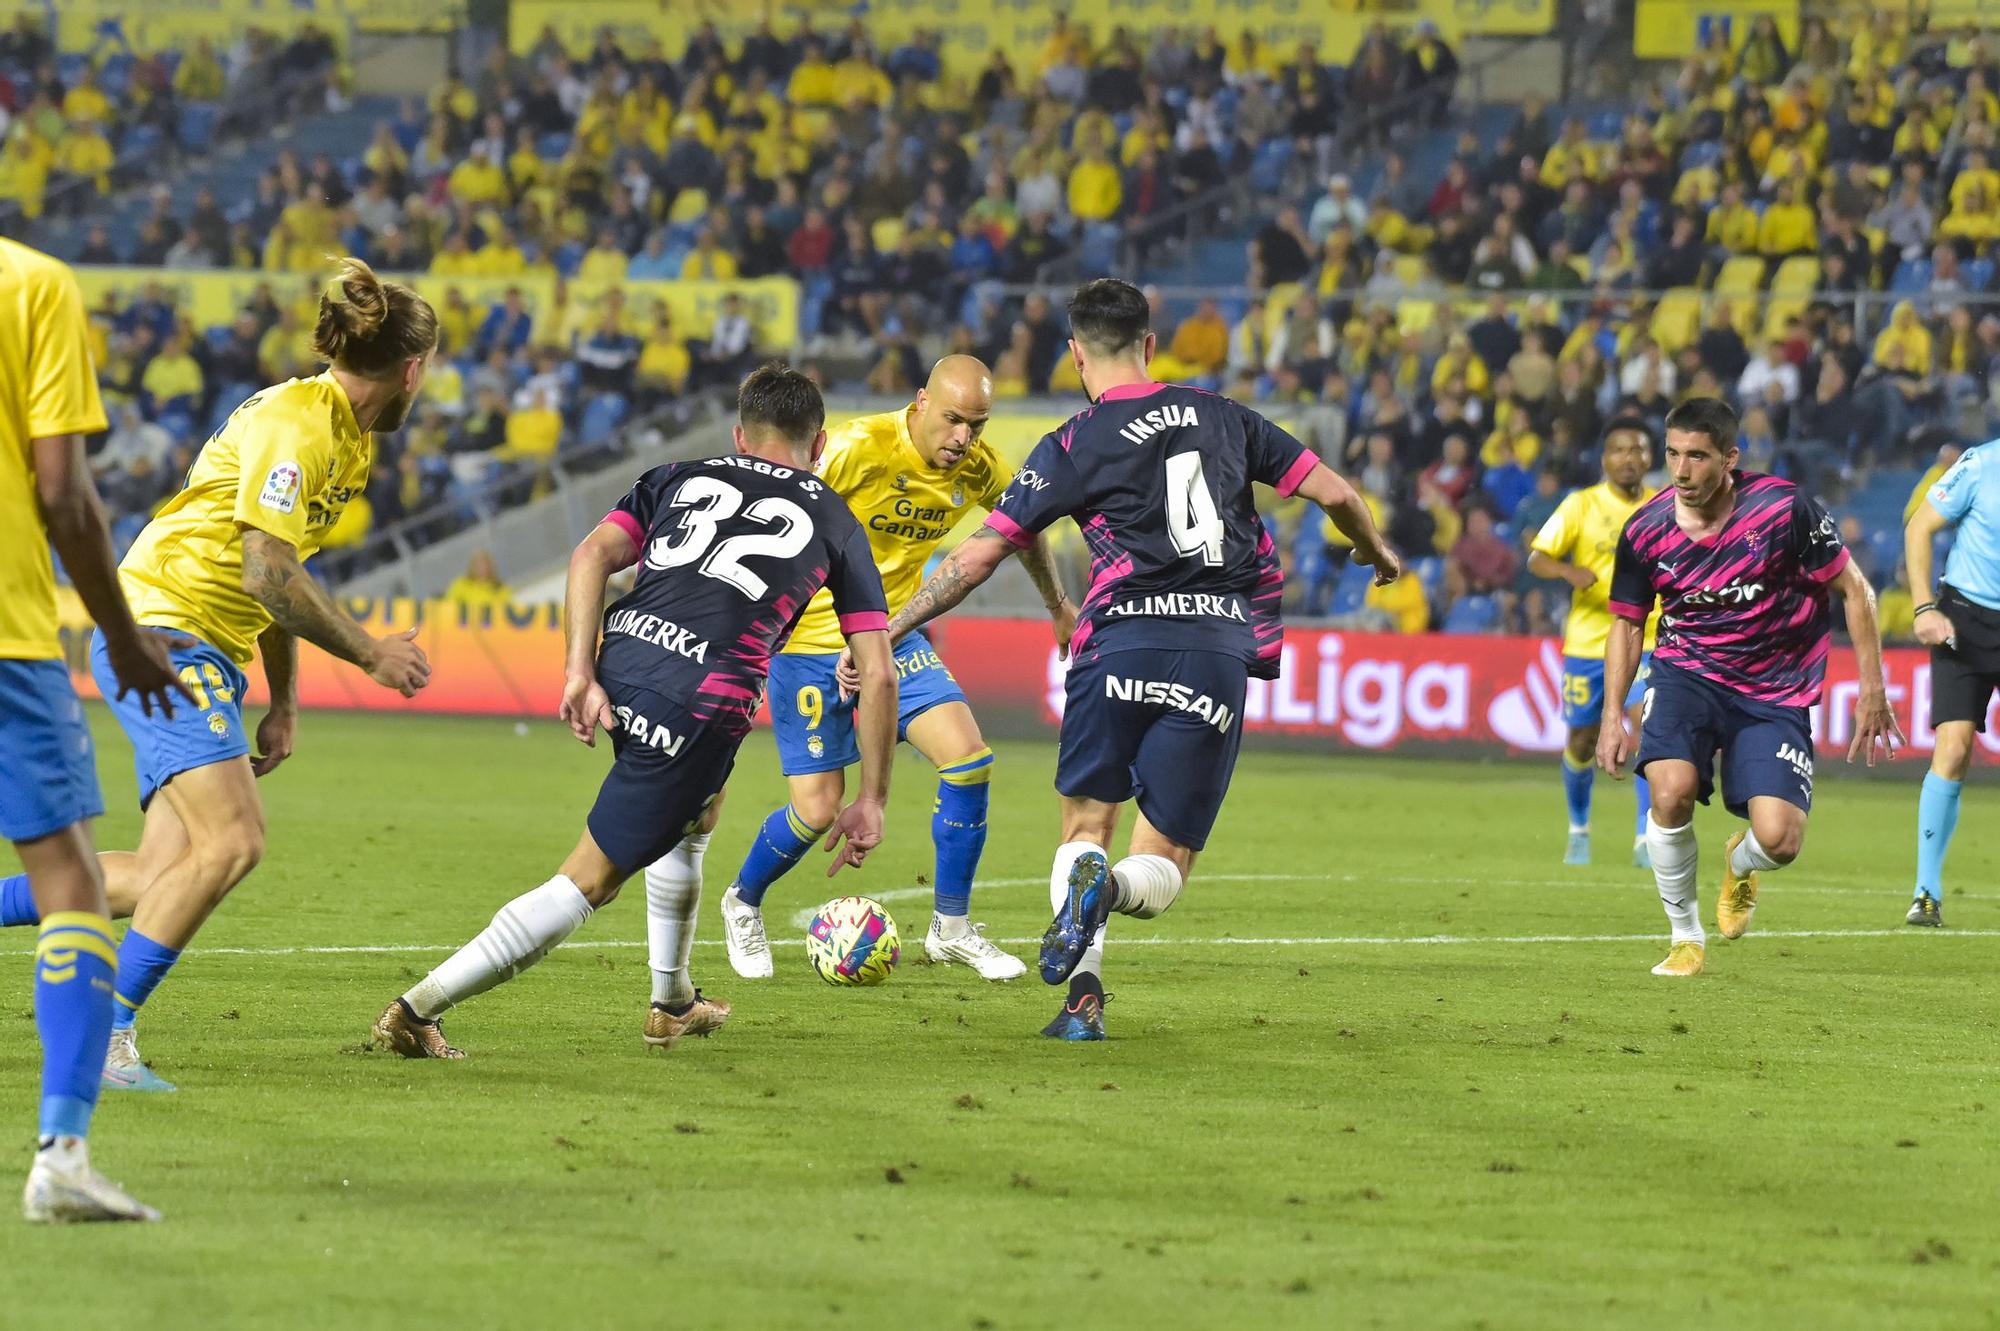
[
  {"x": 1741, "y": 564},
  {"x": 1182, "y": 610},
  {"x": 730, "y": 550}
]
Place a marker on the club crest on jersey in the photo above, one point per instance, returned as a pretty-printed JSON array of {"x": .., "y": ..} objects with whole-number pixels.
[
  {"x": 281, "y": 488},
  {"x": 218, "y": 725},
  {"x": 958, "y": 494},
  {"x": 815, "y": 746},
  {"x": 900, "y": 482},
  {"x": 1141, "y": 428}
]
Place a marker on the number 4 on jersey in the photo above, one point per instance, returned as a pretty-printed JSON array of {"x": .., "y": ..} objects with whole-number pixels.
[{"x": 1192, "y": 518}]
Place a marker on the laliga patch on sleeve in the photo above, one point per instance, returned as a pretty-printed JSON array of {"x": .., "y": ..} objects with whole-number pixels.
[{"x": 281, "y": 488}]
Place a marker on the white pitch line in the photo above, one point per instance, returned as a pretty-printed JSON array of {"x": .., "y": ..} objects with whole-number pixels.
[{"x": 1427, "y": 940}]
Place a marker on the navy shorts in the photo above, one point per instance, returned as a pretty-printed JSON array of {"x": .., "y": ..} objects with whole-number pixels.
[
  {"x": 1164, "y": 726},
  {"x": 48, "y": 771},
  {"x": 1766, "y": 749},
  {"x": 668, "y": 768},
  {"x": 210, "y": 731}
]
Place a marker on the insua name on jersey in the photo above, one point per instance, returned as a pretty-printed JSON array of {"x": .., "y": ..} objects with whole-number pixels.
[{"x": 1141, "y": 428}]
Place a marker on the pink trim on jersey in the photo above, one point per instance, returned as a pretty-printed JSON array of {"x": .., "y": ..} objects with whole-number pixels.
[
  {"x": 628, "y": 524},
  {"x": 1825, "y": 575},
  {"x": 1017, "y": 535},
  {"x": 1296, "y": 474},
  {"x": 1123, "y": 391},
  {"x": 864, "y": 621},
  {"x": 1626, "y": 610}
]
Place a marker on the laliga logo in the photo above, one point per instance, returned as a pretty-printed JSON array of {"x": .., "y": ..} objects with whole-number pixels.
[{"x": 1529, "y": 715}]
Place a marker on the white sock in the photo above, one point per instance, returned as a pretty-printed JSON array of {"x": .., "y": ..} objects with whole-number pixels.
[
  {"x": 1147, "y": 885},
  {"x": 1066, "y": 854},
  {"x": 673, "y": 892},
  {"x": 1674, "y": 853},
  {"x": 1750, "y": 856},
  {"x": 950, "y": 926},
  {"x": 524, "y": 931}
]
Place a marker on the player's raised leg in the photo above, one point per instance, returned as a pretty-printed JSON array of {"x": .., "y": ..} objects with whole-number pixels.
[
  {"x": 948, "y": 736},
  {"x": 1937, "y": 819},
  {"x": 781, "y": 842}
]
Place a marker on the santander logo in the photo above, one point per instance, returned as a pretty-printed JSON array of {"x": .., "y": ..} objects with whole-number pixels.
[{"x": 1529, "y": 715}]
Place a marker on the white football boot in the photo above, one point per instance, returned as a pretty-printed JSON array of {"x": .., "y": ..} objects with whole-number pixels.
[
  {"x": 743, "y": 932},
  {"x": 971, "y": 949},
  {"x": 64, "y": 1189}
]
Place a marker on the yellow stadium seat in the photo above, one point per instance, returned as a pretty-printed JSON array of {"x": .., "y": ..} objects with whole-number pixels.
[
  {"x": 690, "y": 205},
  {"x": 1581, "y": 263},
  {"x": 1743, "y": 314},
  {"x": 1797, "y": 276},
  {"x": 1414, "y": 316},
  {"x": 1741, "y": 276},
  {"x": 1780, "y": 309},
  {"x": 887, "y": 234},
  {"x": 1677, "y": 319}
]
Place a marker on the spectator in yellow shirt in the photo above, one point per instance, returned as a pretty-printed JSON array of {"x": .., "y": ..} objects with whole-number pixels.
[
  {"x": 812, "y": 82},
  {"x": 477, "y": 180},
  {"x": 500, "y": 256},
  {"x": 1788, "y": 226},
  {"x": 456, "y": 258},
  {"x": 603, "y": 262},
  {"x": 86, "y": 101},
  {"x": 708, "y": 261},
  {"x": 1095, "y": 189},
  {"x": 1732, "y": 224},
  {"x": 1514, "y": 441},
  {"x": 664, "y": 364},
  {"x": 1459, "y": 361},
  {"x": 1570, "y": 158},
  {"x": 172, "y": 379},
  {"x": 353, "y": 525},
  {"x": 1976, "y": 174},
  {"x": 480, "y": 585},
  {"x": 24, "y": 172},
  {"x": 1906, "y": 333},
  {"x": 1200, "y": 346},
  {"x": 1972, "y": 218},
  {"x": 534, "y": 431},
  {"x": 84, "y": 153},
  {"x": 200, "y": 77}
]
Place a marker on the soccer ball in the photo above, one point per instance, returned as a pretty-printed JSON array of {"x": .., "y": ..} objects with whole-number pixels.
[{"x": 852, "y": 940}]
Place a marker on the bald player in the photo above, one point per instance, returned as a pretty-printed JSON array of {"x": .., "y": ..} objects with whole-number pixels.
[{"x": 910, "y": 476}]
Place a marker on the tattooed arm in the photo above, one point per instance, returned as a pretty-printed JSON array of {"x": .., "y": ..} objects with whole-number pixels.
[
  {"x": 1040, "y": 561},
  {"x": 274, "y": 578},
  {"x": 969, "y": 564}
]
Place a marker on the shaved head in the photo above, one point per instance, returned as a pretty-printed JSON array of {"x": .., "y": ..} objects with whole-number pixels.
[{"x": 951, "y": 410}]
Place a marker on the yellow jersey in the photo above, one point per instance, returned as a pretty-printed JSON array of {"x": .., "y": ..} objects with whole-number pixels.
[
  {"x": 1584, "y": 531},
  {"x": 907, "y": 506},
  {"x": 47, "y": 388},
  {"x": 287, "y": 462}
]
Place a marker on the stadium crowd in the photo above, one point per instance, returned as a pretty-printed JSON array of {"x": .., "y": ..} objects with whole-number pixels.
[{"x": 1805, "y": 231}]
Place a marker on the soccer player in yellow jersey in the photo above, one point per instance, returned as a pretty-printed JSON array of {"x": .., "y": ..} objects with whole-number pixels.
[
  {"x": 909, "y": 475},
  {"x": 219, "y": 572},
  {"x": 48, "y": 777},
  {"x": 1579, "y": 545}
]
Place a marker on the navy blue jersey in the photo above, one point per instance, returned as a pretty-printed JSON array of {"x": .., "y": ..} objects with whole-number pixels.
[
  {"x": 1158, "y": 477},
  {"x": 730, "y": 551}
]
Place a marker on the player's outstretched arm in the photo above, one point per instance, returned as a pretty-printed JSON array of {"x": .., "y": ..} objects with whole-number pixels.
[
  {"x": 1349, "y": 512},
  {"x": 1544, "y": 566},
  {"x": 274, "y": 578},
  {"x": 970, "y": 563},
  {"x": 585, "y": 705},
  {"x": 1934, "y": 627},
  {"x": 860, "y": 823},
  {"x": 75, "y": 522},
  {"x": 1622, "y": 649},
  {"x": 1040, "y": 561},
  {"x": 279, "y": 729},
  {"x": 1874, "y": 722}
]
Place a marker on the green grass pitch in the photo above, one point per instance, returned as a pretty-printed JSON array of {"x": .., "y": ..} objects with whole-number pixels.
[{"x": 1388, "y": 1063}]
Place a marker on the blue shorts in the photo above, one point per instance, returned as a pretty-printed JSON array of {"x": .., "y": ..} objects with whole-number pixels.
[
  {"x": 1162, "y": 725},
  {"x": 1766, "y": 749},
  {"x": 48, "y": 769},
  {"x": 211, "y": 731},
  {"x": 815, "y": 729},
  {"x": 668, "y": 768},
  {"x": 1583, "y": 689}
]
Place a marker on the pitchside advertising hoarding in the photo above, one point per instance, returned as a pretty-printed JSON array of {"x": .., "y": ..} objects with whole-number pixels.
[{"x": 1342, "y": 691}]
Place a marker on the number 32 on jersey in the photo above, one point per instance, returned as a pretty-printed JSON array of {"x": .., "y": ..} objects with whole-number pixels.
[{"x": 703, "y": 503}]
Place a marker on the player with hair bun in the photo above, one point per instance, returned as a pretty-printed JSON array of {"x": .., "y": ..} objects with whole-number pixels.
[{"x": 219, "y": 574}]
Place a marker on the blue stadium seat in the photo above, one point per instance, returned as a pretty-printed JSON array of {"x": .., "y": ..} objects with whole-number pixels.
[
  {"x": 71, "y": 66},
  {"x": 140, "y": 141},
  {"x": 552, "y": 146},
  {"x": 601, "y": 418},
  {"x": 197, "y": 125},
  {"x": 568, "y": 258},
  {"x": 1979, "y": 274},
  {"x": 1267, "y": 169},
  {"x": 1430, "y": 572},
  {"x": 1912, "y": 277},
  {"x": 1706, "y": 153},
  {"x": 1350, "y": 593},
  {"x": 1474, "y": 614}
]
